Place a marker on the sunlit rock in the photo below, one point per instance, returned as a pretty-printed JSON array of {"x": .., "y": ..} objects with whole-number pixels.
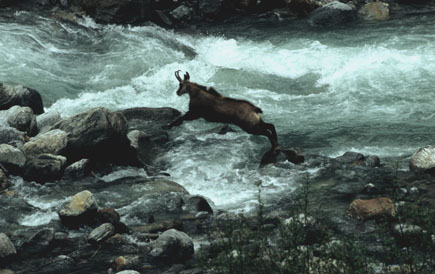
[
  {"x": 52, "y": 142},
  {"x": 46, "y": 120},
  {"x": 80, "y": 210},
  {"x": 101, "y": 233},
  {"x": 20, "y": 96},
  {"x": 372, "y": 209},
  {"x": 173, "y": 246},
  {"x": 375, "y": 11},
  {"x": 44, "y": 168},
  {"x": 332, "y": 14},
  {"x": 11, "y": 157},
  {"x": 7, "y": 248},
  {"x": 423, "y": 160}
]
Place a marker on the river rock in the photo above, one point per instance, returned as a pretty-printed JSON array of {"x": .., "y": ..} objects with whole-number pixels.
[
  {"x": 58, "y": 264},
  {"x": 80, "y": 210},
  {"x": 44, "y": 168},
  {"x": 52, "y": 142},
  {"x": 332, "y": 14},
  {"x": 95, "y": 134},
  {"x": 77, "y": 170},
  {"x": 20, "y": 96},
  {"x": 4, "y": 181},
  {"x": 302, "y": 7},
  {"x": 210, "y": 8},
  {"x": 181, "y": 13},
  {"x": 372, "y": 209},
  {"x": 375, "y": 11},
  {"x": 149, "y": 120},
  {"x": 12, "y": 158},
  {"x": 39, "y": 243},
  {"x": 282, "y": 155},
  {"x": 118, "y": 11},
  {"x": 198, "y": 204},
  {"x": 172, "y": 246},
  {"x": 11, "y": 136},
  {"x": 109, "y": 215},
  {"x": 22, "y": 118},
  {"x": 423, "y": 160},
  {"x": 350, "y": 158},
  {"x": 101, "y": 233},
  {"x": 46, "y": 120},
  {"x": 7, "y": 248}
]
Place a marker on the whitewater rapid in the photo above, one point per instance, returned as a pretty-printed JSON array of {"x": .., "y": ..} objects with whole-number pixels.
[{"x": 366, "y": 88}]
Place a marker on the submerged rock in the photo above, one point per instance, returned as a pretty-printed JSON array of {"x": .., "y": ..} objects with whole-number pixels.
[
  {"x": 423, "y": 160},
  {"x": 372, "y": 209},
  {"x": 44, "y": 168},
  {"x": 80, "y": 210},
  {"x": 333, "y": 13},
  {"x": 172, "y": 246},
  {"x": 20, "y": 96}
]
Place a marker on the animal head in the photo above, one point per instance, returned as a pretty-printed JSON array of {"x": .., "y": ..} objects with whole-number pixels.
[{"x": 185, "y": 85}]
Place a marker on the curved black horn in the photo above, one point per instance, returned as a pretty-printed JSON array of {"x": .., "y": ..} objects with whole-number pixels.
[
  {"x": 177, "y": 75},
  {"x": 186, "y": 76}
]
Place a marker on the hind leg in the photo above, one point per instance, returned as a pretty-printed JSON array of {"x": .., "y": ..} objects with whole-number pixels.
[
  {"x": 262, "y": 129},
  {"x": 271, "y": 128}
]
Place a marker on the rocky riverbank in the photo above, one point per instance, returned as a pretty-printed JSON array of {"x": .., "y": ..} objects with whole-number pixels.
[{"x": 159, "y": 226}]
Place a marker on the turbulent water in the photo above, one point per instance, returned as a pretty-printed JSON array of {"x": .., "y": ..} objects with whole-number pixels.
[{"x": 365, "y": 87}]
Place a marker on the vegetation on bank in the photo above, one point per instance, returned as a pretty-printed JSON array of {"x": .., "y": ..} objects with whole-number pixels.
[{"x": 309, "y": 243}]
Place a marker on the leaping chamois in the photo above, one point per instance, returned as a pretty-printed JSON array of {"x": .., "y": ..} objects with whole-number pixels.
[{"x": 212, "y": 106}]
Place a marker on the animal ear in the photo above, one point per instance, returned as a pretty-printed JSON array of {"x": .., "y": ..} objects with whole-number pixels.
[
  {"x": 186, "y": 76},
  {"x": 177, "y": 75}
]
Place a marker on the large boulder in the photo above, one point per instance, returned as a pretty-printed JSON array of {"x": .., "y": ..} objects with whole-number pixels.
[
  {"x": 332, "y": 14},
  {"x": 118, "y": 11},
  {"x": 44, "y": 168},
  {"x": 46, "y": 120},
  {"x": 302, "y": 7},
  {"x": 172, "y": 246},
  {"x": 95, "y": 134},
  {"x": 23, "y": 119},
  {"x": 11, "y": 136},
  {"x": 20, "y": 96},
  {"x": 82, "y": 209},
  {"x": 11, "y": 157},
  {"x": 423, "y": 160},
  {"x": 52, "y": 142},
  {"x": 375, "y": 11}
]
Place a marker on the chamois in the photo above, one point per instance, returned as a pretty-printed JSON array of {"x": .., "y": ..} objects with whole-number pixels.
[{"x": 212, "y": 106}]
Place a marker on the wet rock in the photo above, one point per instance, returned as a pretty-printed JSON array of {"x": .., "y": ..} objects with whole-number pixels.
[
  {"x": 172, "y": 246},
  {"x": 95, "y": 134},
  {"x": 77, "y": 170},
  {"x": 372, "y": 209},
  {"x": 282, "y": 155},
  {"x": 350, "y": 158},
  {"x": 375, "y": 11},
  {"x": 11, "y": 136},
  {"x": 51, "y": 142},
  {"x": 210, "y": 8},
  {"x": 372, "y": 161},
  {"x": 302, "y": 7},
  {"x": 80, "y": 210},
  {"x": 198, "y": 204},
  {"x": 423, "y": 161},
  {"x": 44, "y": 168},
  {"x": 7, "y": 248},
  {"x": 11, "y": 158},
  {"x": 182, "y": 13},
  {"x": 59, "y": 264},
  {"x": 118, "y": 11},
  {"x": 149, "y": 120},
  {"x": 39, "y": 243},
  {"x": 333, "y": 13},
  {"x": 109, "y": 215},
  {"x": 128, "y": 272},
  {"x": 158, "y": 227},
  {"x": 20, "y": 96},
  {"x": 101, "y": 233},
  {"x": 23, "y": 119},
  {"x": 46, "y": 120},
  {"x": 4, "y": 181},
  {"x": 124, "y": 262}
]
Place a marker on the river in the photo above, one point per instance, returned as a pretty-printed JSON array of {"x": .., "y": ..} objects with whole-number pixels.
[{"x": 366, "y": 87}]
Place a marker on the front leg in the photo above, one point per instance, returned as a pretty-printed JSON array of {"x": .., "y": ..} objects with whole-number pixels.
[{"x": 188, "y": 116}]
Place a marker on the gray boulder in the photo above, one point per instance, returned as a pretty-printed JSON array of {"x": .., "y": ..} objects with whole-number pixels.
[
  {"x": 23, "y": 119},
  {"x": 333, "y": 13},
  {"x": 7, "y": 248},
  {"x": 423, "y": 160},
  {"x": 101, "y": 233},
  {"x": 20, "y": 96},
  {"x": 82, "y": 209},
  {"x": 52, "y": 142},
  {"x": 46, "y": 120},
  {"x": 44, "y": 168},
  {"x": 172, "y": 246},
  {"x": 181, "y": 13},
  {"x": 118, "y": 11},
  {"x": 11, "y": 136},
  {"x": 97, "y": 133},
  {"x": 77, "y": 169},
  {"x": 11, "y": 157}
]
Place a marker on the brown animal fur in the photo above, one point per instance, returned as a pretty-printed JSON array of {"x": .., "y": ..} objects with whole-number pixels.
[{"x": 212, "y": 106}]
